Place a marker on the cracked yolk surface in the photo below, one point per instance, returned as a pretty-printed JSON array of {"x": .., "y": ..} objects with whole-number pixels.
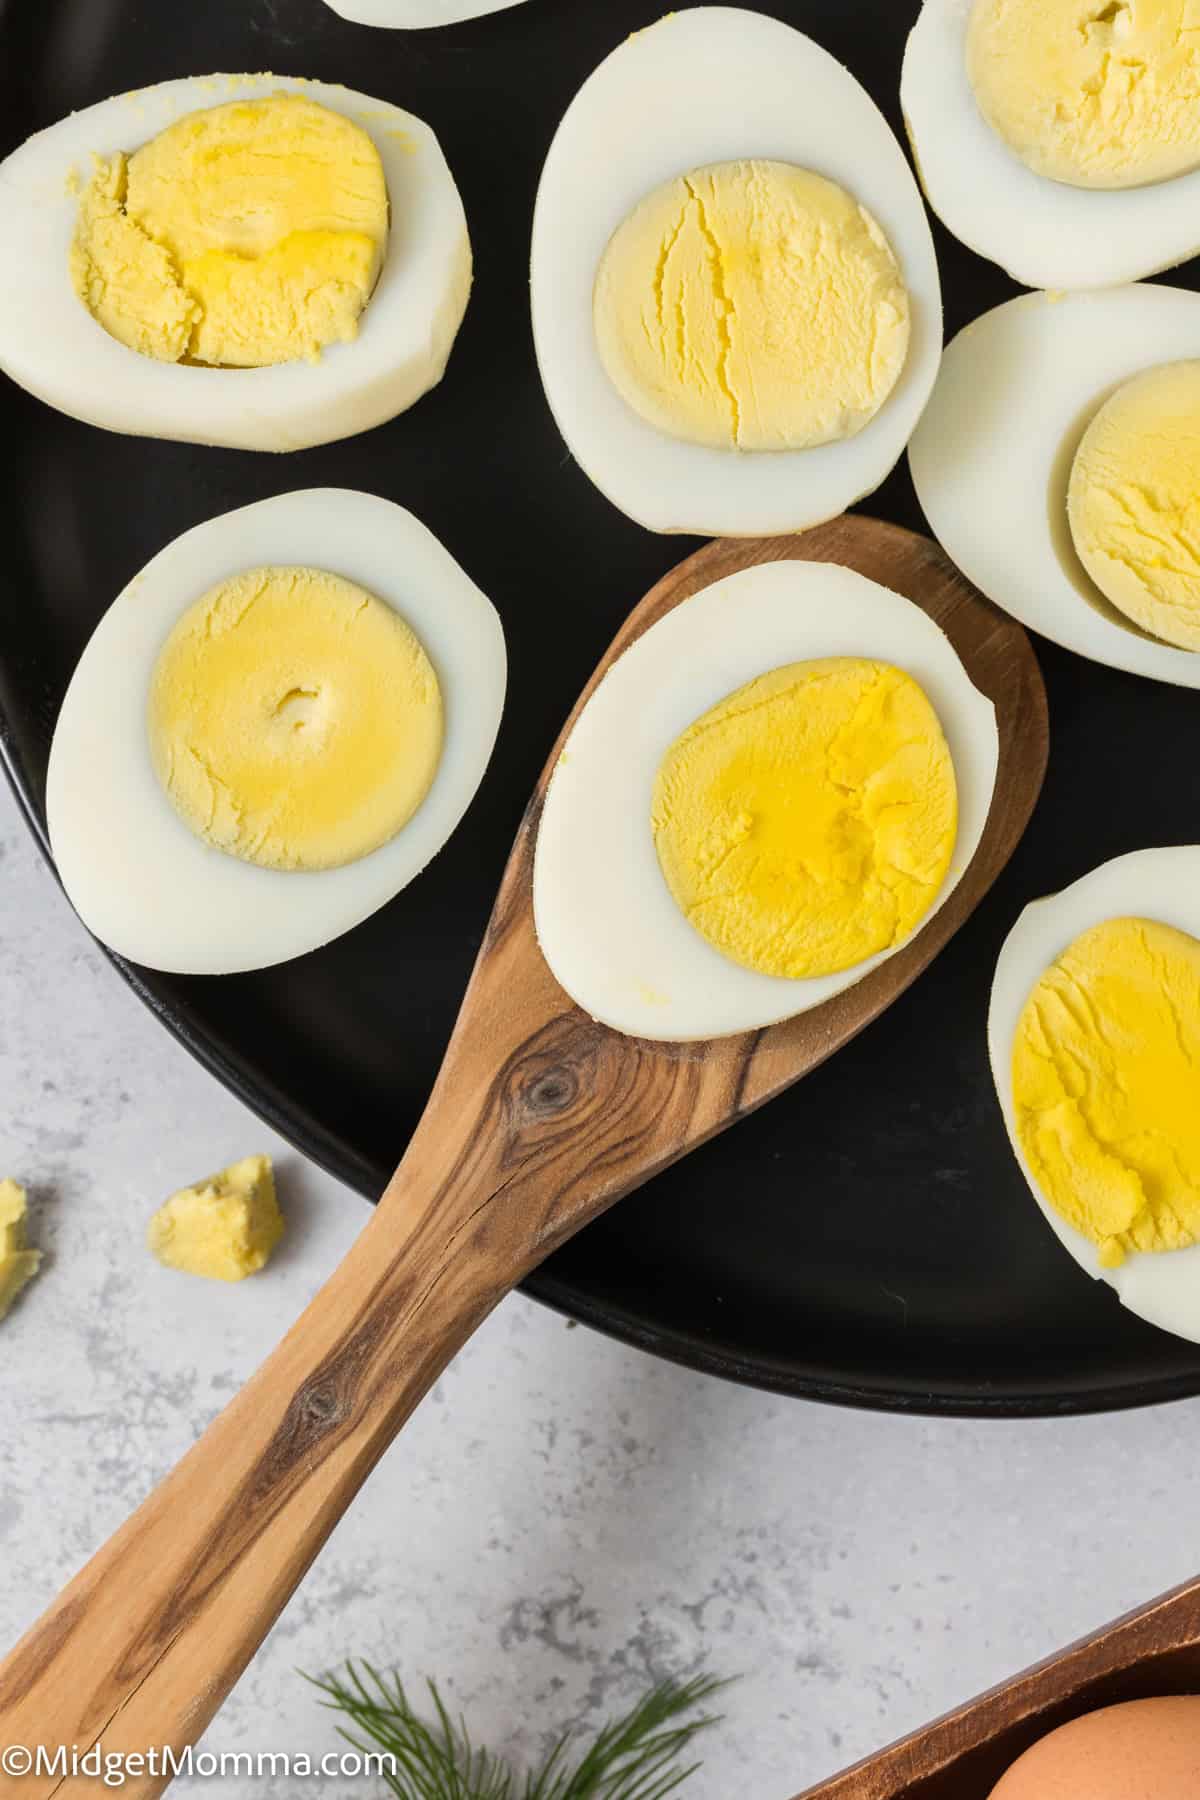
[
  {"x": 1095, "y": 93},
  {"x": 752, "y": 306},
  {"x": 294, "y": 720},
  {"x": 808, "y": 820},
  {"x": 1133, "y": 501},
  {"x": 243, "y": 235},
  {"x": 1106, "y": 1087}
]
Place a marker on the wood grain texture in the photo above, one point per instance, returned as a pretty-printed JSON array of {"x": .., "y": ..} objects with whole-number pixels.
[
  {"x": 539, "y": 1120},
  {"x": 1155, "y": 1650}
]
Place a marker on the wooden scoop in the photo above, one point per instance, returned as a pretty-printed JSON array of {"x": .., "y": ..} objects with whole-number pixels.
[
  {"x": 539, "y": 1120},
  {"x": 1153, "y": 1651}
]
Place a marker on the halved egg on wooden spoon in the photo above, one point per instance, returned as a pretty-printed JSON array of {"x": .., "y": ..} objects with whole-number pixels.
[{"x": 763, "y": 799}]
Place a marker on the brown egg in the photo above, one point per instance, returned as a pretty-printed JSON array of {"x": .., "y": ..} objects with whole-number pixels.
[{"x": 1145, "y": 1750}]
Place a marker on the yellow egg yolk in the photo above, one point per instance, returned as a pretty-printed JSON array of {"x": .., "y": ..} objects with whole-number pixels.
[
  {"x": 295, "y": 721},
  {"x": 18, "y": 1264},
  {"x": 1133, "y": 501},
  {"x": 808, "y": 820},
  {"x": 224, "y": 1228},
  {"x": 1106, "y": 1087},
  {"x": 752, "y": 306},
  {"x": 243, "y": 235},
  {"x": 1095, "y": 93}
]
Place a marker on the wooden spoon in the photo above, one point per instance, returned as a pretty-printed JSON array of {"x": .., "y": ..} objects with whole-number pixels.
[
  {"x": 538, "y": 1121},
  {"x": 1153, "y": 1651}
]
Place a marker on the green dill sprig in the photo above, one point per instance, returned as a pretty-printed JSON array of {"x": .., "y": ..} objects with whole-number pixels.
[{"x": 635, "y": 1757}]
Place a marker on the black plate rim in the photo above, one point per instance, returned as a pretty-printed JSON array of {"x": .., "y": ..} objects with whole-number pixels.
[{"x": 685, "y": 1349}]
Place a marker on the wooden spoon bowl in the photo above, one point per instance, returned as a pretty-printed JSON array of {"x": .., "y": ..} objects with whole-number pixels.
[
  {"x": 1155, "y": 1650},
  {"x": 539, "y": 1120}
]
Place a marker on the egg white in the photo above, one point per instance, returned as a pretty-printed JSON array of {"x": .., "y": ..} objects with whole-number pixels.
[
  {"x": 51, "y": 344},
  {"x": 1045, "y": 233},
  {"x": 139, "y": 878},
  {"x": 1153, "y": 884},
  {"x": 606, "y": 920},
  {"x": 715, "y": 84},
  {"x": 992, "y": 456},
  {"x": 416, "y": 15}
]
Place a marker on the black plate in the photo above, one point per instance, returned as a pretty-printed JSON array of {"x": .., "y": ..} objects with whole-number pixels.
[{"x": 867, "y": 1238}]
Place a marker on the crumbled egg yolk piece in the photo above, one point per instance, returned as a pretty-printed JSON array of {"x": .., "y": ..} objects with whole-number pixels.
[
  {"x": 808, "y": 820},
  {"x": 1106, "y": 1087},
  {"x": 224, "y": 1228},
  {"x": 1095, "y": 93},
  {"x": 1133, "y": 501},
  {"x": 18, "y": 1264},
  {"x": 752, "y": 306},
  {"x": 295, "y": 720},
  {"x": 243, "y": 235}
]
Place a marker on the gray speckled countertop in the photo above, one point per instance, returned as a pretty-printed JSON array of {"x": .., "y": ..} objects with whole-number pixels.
[{"x": 565, "y": 1518}]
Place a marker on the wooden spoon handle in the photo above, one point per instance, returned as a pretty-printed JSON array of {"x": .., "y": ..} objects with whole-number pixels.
[
  {"x": 142, "y": 1647},
  {"x": 538, "y": 1121}
]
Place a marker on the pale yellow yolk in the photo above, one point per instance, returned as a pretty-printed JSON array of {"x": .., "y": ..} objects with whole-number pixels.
[
  {"x": 294, "y": 720},
  {"x": 247, "y": 234},
  {"x": 224, "y": 1228},
  {"x": 808, "y": 820},
  {"x": 1096, "y": 93},
  {"x": 1133, "y": 501},
  {"x": 1106, "y": 1087},
  {"x": 752, "y": 306},
  {"x": 18, "y": 1264}
]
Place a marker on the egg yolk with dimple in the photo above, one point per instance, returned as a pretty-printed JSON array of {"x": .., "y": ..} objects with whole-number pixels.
[
  {"x": 1095, "y": 93},
  {"x": 1106, "y": 1087},
  {"x": 1133, "y": 501},
  {"x": 808, "y": 820},
  {"x": 243, "y": 235},
  {"x": 752, "y": 306},
  {"x": 294, "y": 720}
]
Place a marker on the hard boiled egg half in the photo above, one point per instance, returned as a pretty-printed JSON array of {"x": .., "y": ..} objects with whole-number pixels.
[
  {"x": 735, "y": 298},
  {"x": 272, "y": 730},
  {"x": 255, "y": 261},
  {"x": 1094, "y": 1036},
  {"x": 763, "y": 798},
  {"x": 1060, "y": 140},
  {"x": 1058, "y": 463},
  {"x": 412, "y": 15}
]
